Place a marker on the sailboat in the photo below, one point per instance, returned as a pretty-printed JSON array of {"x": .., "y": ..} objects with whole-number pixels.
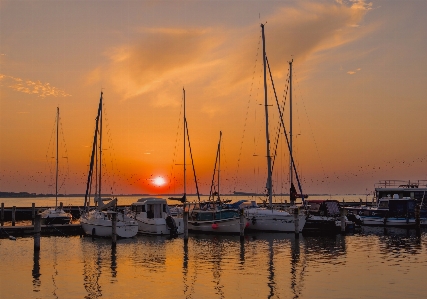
[
  {"x": 97, "y": 221},
  {"x": 215, "y": 215},
  {"x": 56, "y": 215},
  {"x": 270, "y": 219}
]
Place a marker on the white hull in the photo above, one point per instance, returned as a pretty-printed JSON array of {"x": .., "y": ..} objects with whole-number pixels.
[
  {"x": 273, "y": 220},
  {"x": 55, "y": 216},
  {"x": 98, "y": 224},
  {"x": 158, "y": 226},
  {"x": 397, "y": 222},
  {"x": 226, "y": 226}
]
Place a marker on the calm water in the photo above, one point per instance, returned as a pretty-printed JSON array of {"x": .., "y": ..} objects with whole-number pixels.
[{"x": 374, "y": 263}]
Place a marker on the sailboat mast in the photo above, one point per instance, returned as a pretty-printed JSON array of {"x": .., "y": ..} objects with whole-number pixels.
[
  {"x": 219, "y": 159},
  {"x": 57, "y": 135},
  {"x": 291, "y": 173},
  {"x": 100, "y": 147},
  {"x": 269, "y": 183},
  {"x": 185, "y": 168}
]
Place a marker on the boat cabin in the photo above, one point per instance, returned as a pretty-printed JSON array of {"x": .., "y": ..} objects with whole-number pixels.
[
  {"x": 323, "y": 207},
  {"x": 154, "y": 207}
]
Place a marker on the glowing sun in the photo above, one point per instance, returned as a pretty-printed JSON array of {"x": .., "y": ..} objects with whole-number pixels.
[{"x": 159, "y": 181}]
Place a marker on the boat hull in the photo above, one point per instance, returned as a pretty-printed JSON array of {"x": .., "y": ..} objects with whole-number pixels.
[
  {"x": 273, "y": 220},
  {"x": 221, "y": 226},
  {"x": 158, "y": 226},
  {"x": 99, "y": 225},
  {"x": 392, "y": 221},
  {"x": 55, "y": 216}
]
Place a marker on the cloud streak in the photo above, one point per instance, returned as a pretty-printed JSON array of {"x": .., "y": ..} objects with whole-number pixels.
[
  {"x": 42, "y": 90},
  {"x": 219, "y": 60}
]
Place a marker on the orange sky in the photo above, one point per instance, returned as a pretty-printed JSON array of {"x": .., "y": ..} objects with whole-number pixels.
[{"x": 359, "y": 91}]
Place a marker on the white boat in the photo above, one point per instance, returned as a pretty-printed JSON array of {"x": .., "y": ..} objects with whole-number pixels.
[
  {"x": 56, "y": 215},
  {"x": 98, "y": 220},
  {"x": 270, "y": 219},
  {"x": 395, "y": 204},
  {"x": 99, "y": 223},
  {"x": 266, "y": 219},
  {"x": 154, "y": 217}
]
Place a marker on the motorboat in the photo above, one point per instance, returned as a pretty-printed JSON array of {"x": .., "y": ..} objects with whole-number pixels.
[{"x": 154, "y": 217}]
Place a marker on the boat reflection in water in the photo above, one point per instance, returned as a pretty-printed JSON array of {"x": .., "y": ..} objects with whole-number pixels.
[{"x": 261, "y": 265}]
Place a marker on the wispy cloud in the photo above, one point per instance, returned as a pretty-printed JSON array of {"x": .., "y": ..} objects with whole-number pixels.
[
  {"x": 353, "y": 72},
  {"x": 216, "y": 61},
  {"x": 38, "y": 88}
]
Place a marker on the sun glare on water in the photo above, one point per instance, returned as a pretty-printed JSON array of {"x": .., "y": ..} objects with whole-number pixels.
[{"x": 159, "y": 181}]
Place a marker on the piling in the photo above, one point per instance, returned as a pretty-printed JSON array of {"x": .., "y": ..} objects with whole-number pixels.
[
  {"x": 13, "y": 215},
  {"x": 114, "y": 229},
  {"x": 343, "y": 221},
  {"x": 185, "y": 218},
  {"x": 33, "y": 212},
  {"x": 417, "y": 219},
  {"x": 296, "y": 222},
  {"x": 37, "y": 230},
  {"x": 242, "y": 224},
  {"x": 61, "y": 205},
  {"x": 2, "y": 214}
]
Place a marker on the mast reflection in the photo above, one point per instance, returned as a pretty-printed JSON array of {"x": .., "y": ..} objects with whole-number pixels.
[
  {"x": 36, "y": 271},
  {"x": 92, "y": 268}
]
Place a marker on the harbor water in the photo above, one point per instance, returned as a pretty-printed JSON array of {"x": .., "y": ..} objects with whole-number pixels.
[{"x": 373, "y": 263}]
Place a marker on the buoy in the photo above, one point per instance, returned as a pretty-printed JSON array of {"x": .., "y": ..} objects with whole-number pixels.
[
  {"x": 214, "y": 226},
  {"x": 247, "y": 224}
]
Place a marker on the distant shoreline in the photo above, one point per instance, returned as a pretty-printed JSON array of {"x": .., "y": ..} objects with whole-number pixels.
[{"x": 35, "y": 195}]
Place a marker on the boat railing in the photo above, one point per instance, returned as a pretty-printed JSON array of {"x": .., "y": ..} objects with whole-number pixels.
[{"x": 401, "y": 184}]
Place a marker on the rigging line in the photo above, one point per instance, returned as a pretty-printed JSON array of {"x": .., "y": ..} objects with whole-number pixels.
[
  {"x": 216, "y": 161},
  {"x": 192, "y": 161},
  {"x": 247, "y": 112},
  {"x": 284, "y": 129},
  {"x": 174, "y": 159},
  {"x": 311, "y": 131}
]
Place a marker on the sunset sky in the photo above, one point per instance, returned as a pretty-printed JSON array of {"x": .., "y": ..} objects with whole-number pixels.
[{"x": 359, "y": 92}]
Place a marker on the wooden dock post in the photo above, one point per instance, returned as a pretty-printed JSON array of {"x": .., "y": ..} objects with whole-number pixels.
[
  {"x": 417, "y": 219},
  {"x": 185, "y": 218},
  {"x": 13, "y": 215},
  {"x": 242, "y": 224},
  {"x": 114, "y": 229},
  {"x": 33, "y": 212},
  {"x": 343, "y": 222},
  {"x": 37, "y": 230},
  {"x": 2, "y": 214},
  {"x": 296, "y": 222}
]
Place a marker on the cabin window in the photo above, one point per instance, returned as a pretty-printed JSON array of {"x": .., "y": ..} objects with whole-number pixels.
[
  {"x": 164, "y": 208},
  {"x": 383, "y": 204}
]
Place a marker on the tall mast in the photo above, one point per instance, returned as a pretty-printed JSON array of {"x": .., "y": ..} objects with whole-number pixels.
[
  {"x": 219, "y": 158},
  {"x": 269, "y": 183},
  {"x": 100, "y": 146},
  {"x": 56, "y": 180},
  {"x": 185, "y": 168},
  {"x": 290, "y": 131}
]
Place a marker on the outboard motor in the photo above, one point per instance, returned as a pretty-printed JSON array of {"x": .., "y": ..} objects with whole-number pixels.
[{"x": 173, "y": 229}]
